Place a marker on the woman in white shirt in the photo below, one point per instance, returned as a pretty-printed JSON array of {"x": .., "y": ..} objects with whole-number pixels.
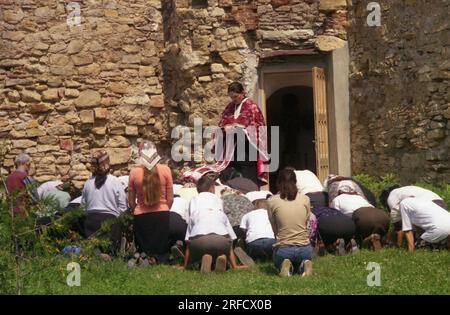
[
  {"x": 371, "y": 224},
  {"x": 209, "y": 234}
]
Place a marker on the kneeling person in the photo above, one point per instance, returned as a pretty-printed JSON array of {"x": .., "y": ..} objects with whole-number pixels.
[
  {"x": 425, "y": 214},
  {"x": 258, "y": 230},
  {"x": 209, "y": 234},
  {"x": 289, "y": 213}
]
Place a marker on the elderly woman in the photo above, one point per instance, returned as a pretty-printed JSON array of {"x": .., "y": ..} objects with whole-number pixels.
[{"x": 103, "y": 196}]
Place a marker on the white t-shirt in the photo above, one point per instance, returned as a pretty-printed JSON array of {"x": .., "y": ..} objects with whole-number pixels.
[
  {"x": 180, "y": 206},
  {"x": 257, "y": 225},
  {"x": 397, "y": 195},
  {"x": 307, "y": 182},
  {"x": 348, "y": 204},
  {"x": 47, "y": 186},
  {"x": 427, "y": 215},
  {"x": 206, "y": 216},
  {"x": 176, "y": 188},
  {"x": 187, "y": 193},
  {"x": 124, "y": 181},
  {"x": 257, "y": 195}
]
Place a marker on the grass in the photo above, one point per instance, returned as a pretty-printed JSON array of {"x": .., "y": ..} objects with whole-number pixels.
[{"x": 421, "y": 272}]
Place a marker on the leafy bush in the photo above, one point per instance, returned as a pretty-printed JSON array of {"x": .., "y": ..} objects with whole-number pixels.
[
  {"x": 377, "y": 184},
  {"x": 25, "y": 240}
]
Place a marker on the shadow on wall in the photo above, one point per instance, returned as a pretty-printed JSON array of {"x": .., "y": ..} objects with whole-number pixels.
[{"x": 292, "y": 109}]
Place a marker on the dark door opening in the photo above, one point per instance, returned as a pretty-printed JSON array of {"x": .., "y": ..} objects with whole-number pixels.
[{"x": 292, "y": 109}]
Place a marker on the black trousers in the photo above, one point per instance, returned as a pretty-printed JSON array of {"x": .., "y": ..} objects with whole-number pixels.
[
  {"x": 151, "y": 232},
  {"x": 332, "y": 228},
  {"x": 247, "y": 168},
  {"x": 93, "y": 223},
  {"x": 177, "y": 228},
  {"x": 318, "y": 199}
]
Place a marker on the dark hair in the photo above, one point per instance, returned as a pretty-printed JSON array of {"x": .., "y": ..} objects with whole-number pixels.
[
  {"x": 236, "y": 87},
  {"x": 385, "y": 195},
  {"x": 205, "y": 182},
  {"x": 261, "y": 204},
  {"x": 100, "y": 180},
  {"x": 287, "y": 184}
]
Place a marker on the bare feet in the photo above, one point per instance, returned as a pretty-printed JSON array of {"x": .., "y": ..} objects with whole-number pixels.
[
  {"x": 206, "y": 264},
  {"x": 221, "y": 263},
  {"x": 376, "y": 241}
]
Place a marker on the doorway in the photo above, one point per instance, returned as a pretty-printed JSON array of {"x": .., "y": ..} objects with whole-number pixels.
[
  {"x": 319, "y": 83},
  {"x": 292, "y": 109}
]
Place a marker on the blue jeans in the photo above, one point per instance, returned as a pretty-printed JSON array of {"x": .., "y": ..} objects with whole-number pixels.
[
  {"x": 260, "y": 248},
  {"x": 295, "y": 253}
]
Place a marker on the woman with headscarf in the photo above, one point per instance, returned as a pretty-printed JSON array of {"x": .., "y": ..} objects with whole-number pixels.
[
  {"x": 334, "y": 183},
  {"x": 103, "y": 196},
  {"x": 150, "y": 196}
]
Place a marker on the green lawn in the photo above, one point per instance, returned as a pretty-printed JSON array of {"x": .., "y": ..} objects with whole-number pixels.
[{"x": 422, "y": 272}]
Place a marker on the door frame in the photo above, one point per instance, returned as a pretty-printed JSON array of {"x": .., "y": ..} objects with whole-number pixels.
[{"x": 335, "y": 65}]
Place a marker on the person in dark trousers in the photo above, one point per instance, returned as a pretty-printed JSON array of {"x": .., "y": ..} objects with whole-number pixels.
[
  {"x": 209, "y": 236},
  {"x": 241, "y": 120},
  {"x": 150, "y": 195},
  {"x": 103, "y": 197},
  {"x": 336, "y": 230}
]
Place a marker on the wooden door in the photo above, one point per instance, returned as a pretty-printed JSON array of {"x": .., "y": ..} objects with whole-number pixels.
[{"x": 320, "y": 123}]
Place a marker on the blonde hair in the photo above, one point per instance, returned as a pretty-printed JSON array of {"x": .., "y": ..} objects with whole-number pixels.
[{"x": 151, "y": 186}]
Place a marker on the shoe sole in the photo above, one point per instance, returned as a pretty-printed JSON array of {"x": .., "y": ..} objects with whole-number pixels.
[
  {"x": 355, "y": 249},
  {"x": 341, "y": 247},
  {"x": 243, "y": 257},
  {"x": 308, "y": 268},
  {"x": 206, "y": 264},
  {"x": 123, "y": 245},
  {"x": 221, "y": 264},
  {"x": 286, "y": 267}
]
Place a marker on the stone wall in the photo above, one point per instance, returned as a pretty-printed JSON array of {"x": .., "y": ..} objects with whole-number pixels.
[
  {"x": 399, "y": 83},
  {"x": 67, "y": 90},
  {"x": 136, "y": 69},
  {"x": 209, "y": 46}
]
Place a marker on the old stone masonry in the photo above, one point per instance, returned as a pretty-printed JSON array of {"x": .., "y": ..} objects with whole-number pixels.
[{"x": 76, "y": 76}]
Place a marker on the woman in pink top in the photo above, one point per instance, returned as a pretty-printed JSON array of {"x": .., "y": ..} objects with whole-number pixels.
[{"x": 150, "y": 196}]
